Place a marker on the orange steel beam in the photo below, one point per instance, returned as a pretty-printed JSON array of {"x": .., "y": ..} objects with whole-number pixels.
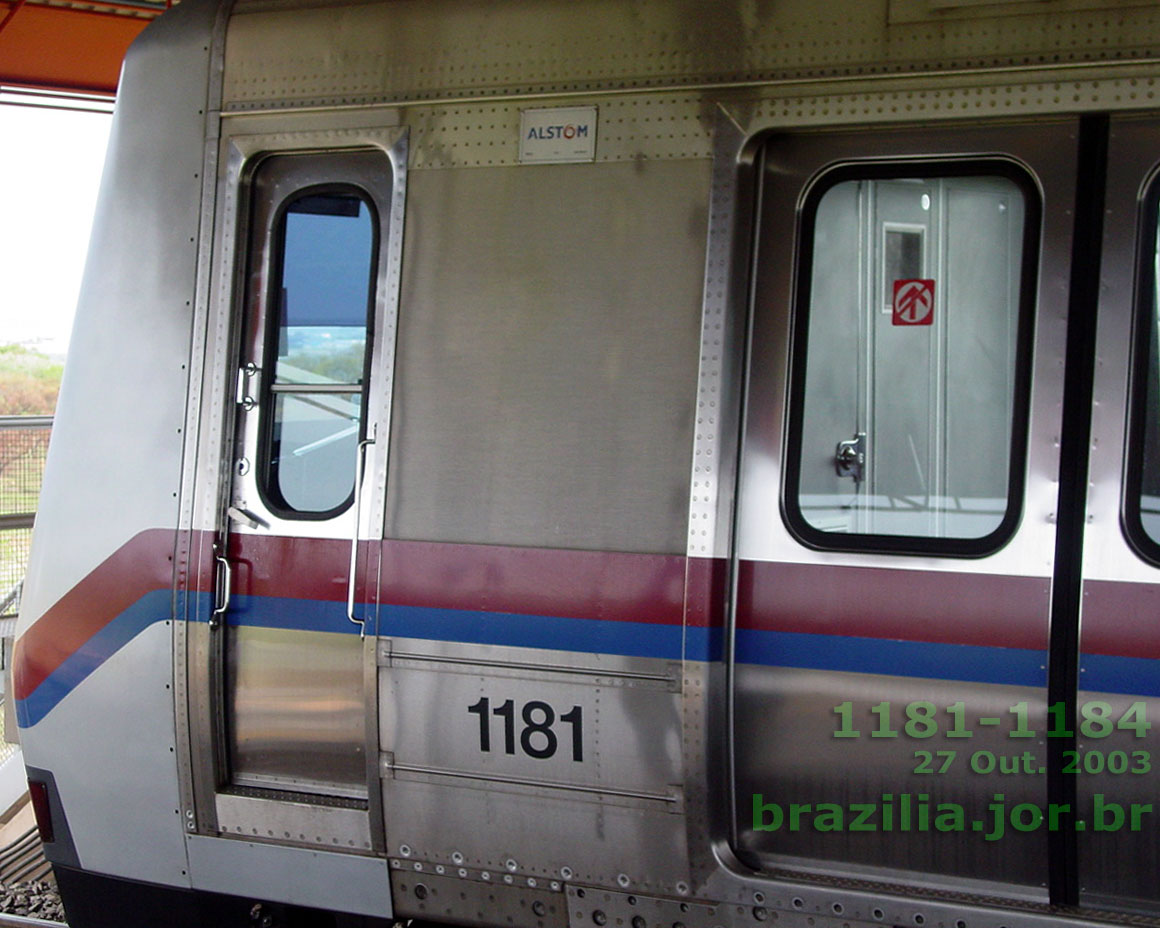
[
  {"x": 57, "y": 48},
  {"x": 12, "y": 12}
]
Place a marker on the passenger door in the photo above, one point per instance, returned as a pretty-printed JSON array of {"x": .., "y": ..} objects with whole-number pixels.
[
  {"x": 897, "y": 509},
  {"x": 293, "y": 576},
  {"x": 1118, "y": 667}
]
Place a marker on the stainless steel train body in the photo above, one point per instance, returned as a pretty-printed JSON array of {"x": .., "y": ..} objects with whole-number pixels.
[{"x": 579, "y": 464}]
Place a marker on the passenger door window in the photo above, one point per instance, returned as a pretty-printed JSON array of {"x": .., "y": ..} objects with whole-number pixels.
[
  {"x": 1142, "y": 491},
  {"x": 910, "y": 337}
]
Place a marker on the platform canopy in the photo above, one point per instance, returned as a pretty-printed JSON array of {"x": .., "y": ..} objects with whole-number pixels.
[{"x": 66, "y": 46}]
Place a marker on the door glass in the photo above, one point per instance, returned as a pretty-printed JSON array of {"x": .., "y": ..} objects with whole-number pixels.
[
  {"x": 326, "y": 250},
  {"x": 315, "y": 438},
  {"x": 327, "y": 256},
  {"x": 904, "y": 416},
  {"x": 903, "y": 252}
]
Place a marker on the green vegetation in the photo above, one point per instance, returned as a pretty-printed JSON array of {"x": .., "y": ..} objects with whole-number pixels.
[
  {"x": 335, "y": 365},
  {"x": 29, "y": 382}
]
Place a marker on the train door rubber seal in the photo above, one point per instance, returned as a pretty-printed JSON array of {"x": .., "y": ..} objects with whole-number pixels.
[{"x": 1075, "y": 441}]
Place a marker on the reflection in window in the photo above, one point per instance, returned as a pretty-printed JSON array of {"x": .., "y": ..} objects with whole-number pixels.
[
  {"x": 316, "y": 435},
  {"x": 902, "y": 251},
  {"x": 904, "y": 420},
  {"x": 325, "y": 285}
]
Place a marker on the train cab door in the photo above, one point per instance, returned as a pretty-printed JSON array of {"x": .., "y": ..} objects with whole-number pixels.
[
  {"x": 297, "y": 553},
  {"x": 897, "y": 508}
]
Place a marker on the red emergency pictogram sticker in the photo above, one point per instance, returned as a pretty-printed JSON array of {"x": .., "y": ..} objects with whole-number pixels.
[{"x": 913, "y": 302}]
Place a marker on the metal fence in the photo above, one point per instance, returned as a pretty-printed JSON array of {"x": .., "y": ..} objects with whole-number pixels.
[{"x": 23, "y": 444}]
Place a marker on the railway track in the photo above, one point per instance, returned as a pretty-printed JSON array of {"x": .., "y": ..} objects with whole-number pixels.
[
  {"x": 27, "y": 888},
  {"x": 20, "y": 921}
]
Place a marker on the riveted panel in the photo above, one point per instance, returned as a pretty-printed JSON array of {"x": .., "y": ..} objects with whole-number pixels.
[
  {"x": 710, "y": 511},
  {"x": 451, "y": 894},
  {"x": 632, "y": 128},
  {"x": 648, "y": 127},
  {"x": 340, "y": 825},
  {"x": 360, "y": 54},
  {"x": 985, "y": 98}
]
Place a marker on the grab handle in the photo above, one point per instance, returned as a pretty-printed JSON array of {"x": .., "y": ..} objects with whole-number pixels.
[
  {"x": 359, "y": 474},
  {"x": 222, "y": 598}
]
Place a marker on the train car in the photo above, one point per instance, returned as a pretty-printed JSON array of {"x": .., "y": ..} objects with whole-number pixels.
[{"x": 663, "y": 464}]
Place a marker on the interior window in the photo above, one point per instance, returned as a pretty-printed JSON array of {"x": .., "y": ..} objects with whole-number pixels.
[
  {"x": 325, "y": 248},
  {"x": 906, "y": 410}
]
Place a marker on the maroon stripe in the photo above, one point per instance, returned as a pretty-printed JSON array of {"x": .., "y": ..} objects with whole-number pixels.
[
  {"x": 907, "y": 605},
  {"x": 195, "y": 567},
  {"x": 293, "y": 568},
  {"x": 1121, "y": 619},
  {"x": 142, "y": 565},
  {"x": 487, "y": 578},
  {"x": 535, "y": 581},
  {"x": 707, "y": 589}
]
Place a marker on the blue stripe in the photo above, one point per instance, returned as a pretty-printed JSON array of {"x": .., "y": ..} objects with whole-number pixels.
[
  {"x": 704, "y": 644},
  {"x": 303, "y": 615},
  {"x": 150, "y": 608},
  {"x": 508, "y": 629},
  {"x": 1131, "y": 676},
  {"x": 596, "y": 636},
  {"x": 972, "y": 663}
]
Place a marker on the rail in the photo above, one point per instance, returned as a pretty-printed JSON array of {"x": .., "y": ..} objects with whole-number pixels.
[
  {"x": 23, "y": 444},
  {"x": 20, "y": 921}
]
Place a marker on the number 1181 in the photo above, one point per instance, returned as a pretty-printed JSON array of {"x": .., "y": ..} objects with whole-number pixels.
[{"x": 537, "y": 738}]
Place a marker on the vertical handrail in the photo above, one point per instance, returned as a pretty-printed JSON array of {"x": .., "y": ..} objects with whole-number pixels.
[{"x": 359, "y": 476}]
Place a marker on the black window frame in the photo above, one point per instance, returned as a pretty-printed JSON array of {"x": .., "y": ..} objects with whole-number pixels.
[
  {"x": 895, "y": 169},
  {"x": 268, "y": 489},
  {"x": 1143, "y": 388}
]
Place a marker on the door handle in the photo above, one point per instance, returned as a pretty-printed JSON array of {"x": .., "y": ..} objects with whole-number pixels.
[
  {"x": 242, "y": 394},
  {"x": 850, "y": 457},
  {"x": 359, "y": 474},
  {"x": 225, "y": 578}
]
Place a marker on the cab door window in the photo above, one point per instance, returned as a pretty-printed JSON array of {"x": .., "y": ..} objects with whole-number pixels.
[{"x": 319, "y": 311}]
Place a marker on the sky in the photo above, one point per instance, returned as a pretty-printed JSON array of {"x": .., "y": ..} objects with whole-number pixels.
[{"x": 50, "y": 168}]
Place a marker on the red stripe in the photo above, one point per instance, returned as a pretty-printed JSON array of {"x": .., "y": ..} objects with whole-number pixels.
[
  {"x": 535, "y": 581},
  {"x": 293, "y": 568},
  {"x": 488, "y": 578},
  {"x": 142, "y": 565},
  {"x": 707, "y": 591},
  {"x": 906, "y": 605},
  {"x": 1121, "y": 619}
]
